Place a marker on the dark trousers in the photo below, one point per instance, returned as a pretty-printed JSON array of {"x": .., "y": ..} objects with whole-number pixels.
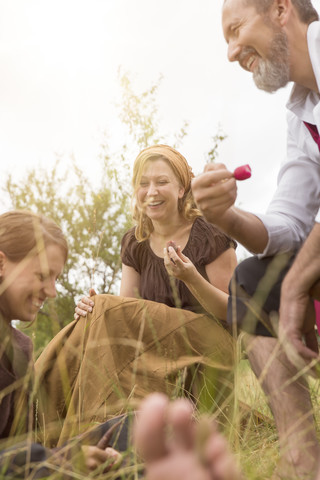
[
  {"x": 29, "y": 459},
  {"x": 255, "y": 293}
]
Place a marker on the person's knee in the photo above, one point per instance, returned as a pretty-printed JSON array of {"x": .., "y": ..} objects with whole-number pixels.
[
  {"x": 255, "y": 292},
  {"x": 24, "y": 460},
  {"x": 248, "y": 274}
]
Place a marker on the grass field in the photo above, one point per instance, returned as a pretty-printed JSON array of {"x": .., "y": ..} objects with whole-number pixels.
[
  {"x": 254, "y": 443},
  {"x": 257, "y": 446}
]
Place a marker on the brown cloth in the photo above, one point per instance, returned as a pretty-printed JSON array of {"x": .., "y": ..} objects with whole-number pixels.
[
  {"x": 206, "y": 242},
  {"x": 95, "y": 367},
  {"x": 16, "y": 371}
]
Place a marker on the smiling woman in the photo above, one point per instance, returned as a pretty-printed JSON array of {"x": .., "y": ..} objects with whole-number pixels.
[
  {"x": 32, "y": 255},
  {"x": 27, "y": 291},
  {"x": 166, "y": 326},
  {"x": 195, "y": 275},
  {"x": 33, "y": 251}
]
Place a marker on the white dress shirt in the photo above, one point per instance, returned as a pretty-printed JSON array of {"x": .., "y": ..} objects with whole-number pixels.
[{"x": 296, "y": 203}]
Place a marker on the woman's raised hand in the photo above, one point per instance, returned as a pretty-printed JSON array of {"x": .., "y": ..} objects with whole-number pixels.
[
  {"x": 85, "y": 305},
  {"x": 177, "y": 264}
]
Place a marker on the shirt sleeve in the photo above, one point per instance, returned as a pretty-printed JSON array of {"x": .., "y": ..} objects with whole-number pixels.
[
  {"x": 295, "y": 205},
  {"x": 129, "y": 250},
  {"x": 208, "y": 242}
]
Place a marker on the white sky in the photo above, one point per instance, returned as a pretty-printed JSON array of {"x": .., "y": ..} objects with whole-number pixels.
[{"x": 58, "y": 85}]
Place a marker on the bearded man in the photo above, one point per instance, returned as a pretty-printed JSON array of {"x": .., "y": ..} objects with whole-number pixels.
[{"x": 277, "y": 41}]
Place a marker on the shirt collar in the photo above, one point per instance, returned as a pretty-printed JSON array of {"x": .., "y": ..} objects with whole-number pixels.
[{"x": 302, "y": 100}]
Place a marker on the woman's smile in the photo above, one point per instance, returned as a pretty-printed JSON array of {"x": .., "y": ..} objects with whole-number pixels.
[
  {"x": 154, "y": 203},
  {"x": 159, "y": 190}
]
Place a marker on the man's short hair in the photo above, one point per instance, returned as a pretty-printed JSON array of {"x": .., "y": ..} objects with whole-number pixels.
[{"x": 306, "y": 11}]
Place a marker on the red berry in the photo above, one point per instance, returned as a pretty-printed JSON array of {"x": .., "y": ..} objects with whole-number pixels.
[{"x": 242, "y": 173}]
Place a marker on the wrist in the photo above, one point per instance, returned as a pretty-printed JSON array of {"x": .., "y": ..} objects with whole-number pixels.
[
  {"x": 226, "y": 220},
  {"x": 191, "y": 277},
  {"x": 291, "y": 290}
]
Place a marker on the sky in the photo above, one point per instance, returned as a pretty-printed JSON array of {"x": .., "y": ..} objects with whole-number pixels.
[{"x": 59, "y": 86}]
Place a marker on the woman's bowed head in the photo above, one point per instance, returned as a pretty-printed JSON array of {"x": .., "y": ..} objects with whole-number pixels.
[{"x": 33, "y": 252}]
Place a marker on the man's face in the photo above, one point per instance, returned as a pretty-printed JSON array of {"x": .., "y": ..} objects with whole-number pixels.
[{"x": 260, "y": 46}]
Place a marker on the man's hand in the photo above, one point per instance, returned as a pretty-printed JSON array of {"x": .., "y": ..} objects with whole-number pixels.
[
  {"x": 296, "y": 327},
  {"x": 214, "y": 191},
  {"x": 297, "y": 314}
]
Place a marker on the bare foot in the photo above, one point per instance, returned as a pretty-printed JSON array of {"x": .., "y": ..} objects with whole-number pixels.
[{"x": 175, "y": 447}]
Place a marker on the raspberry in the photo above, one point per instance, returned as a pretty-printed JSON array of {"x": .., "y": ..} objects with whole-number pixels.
[{"x": 242, "y": 173}]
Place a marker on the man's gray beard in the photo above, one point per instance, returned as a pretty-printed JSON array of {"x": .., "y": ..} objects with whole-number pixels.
[{"x": 274, "y": 72}]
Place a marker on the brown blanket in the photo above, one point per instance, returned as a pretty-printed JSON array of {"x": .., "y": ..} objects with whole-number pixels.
[{"x": 99, "y": 366}]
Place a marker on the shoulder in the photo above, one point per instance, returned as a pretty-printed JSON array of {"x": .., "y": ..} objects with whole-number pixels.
[
  {"x": 128, "y": 238},
  {"x": 129, "y": 244},
  {"x": 209, "y": 232},
  {"x": 22, "y": 342},
  {"x": 207, "y": 242},
  {"x": 313, "y": 37},
  {"x": 132, "y": 251}
]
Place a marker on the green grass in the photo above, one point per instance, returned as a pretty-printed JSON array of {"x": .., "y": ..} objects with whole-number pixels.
[{"x": 255, "y": 445}]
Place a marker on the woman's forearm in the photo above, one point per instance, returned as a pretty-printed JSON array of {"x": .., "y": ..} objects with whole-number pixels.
[{"x": 211, "y": 298}]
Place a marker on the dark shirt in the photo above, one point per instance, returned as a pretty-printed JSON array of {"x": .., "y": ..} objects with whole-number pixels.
[
  {"x": 15, "y": 365},
  {"x": 206, "y": 242}
]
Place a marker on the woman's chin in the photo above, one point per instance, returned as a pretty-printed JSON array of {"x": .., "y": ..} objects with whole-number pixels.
[
  {"x": 28, "y": 317},
  {"x": 156, "y": 215}
]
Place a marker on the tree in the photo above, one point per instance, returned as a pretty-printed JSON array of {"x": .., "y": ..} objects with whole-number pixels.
[
  {"x": 93, "y": 218},
  {"x": 216, "y": 139}
]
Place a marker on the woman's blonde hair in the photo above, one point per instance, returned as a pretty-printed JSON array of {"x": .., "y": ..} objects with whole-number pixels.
[
  {"x": 183, "y": 173},
  {"x": 23, "y": 232}
]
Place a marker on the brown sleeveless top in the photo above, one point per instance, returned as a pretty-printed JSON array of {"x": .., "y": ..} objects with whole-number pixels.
[{"x": 206, "y": 242}]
